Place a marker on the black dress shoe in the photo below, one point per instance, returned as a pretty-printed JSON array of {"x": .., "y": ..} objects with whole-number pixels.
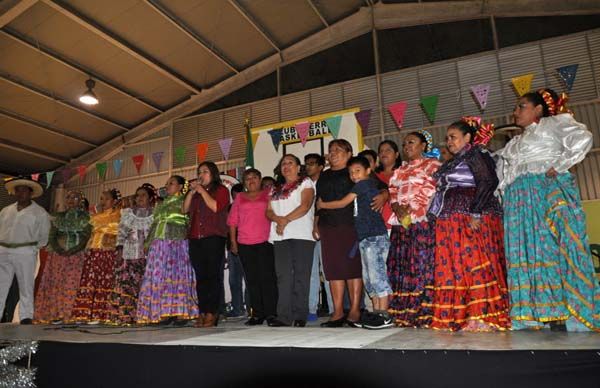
[
  {"x": 253, "y": 321},
  {"x": 26, "y": 321},
  {"x": 299, "y": 323},
  {"x": 277, "y": 323},
  {"x": 336, "y": 323}
]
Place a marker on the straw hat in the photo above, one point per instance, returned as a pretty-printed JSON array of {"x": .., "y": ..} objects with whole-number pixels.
[{"x": 12, "y": 183}]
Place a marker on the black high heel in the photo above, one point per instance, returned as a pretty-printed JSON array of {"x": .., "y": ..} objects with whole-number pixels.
[
  {"x": 253, "y": 321},
  {"x": 335, "y": 323}
]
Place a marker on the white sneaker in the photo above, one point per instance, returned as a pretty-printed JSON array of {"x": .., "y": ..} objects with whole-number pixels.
[{"x": 377, "y": 321}]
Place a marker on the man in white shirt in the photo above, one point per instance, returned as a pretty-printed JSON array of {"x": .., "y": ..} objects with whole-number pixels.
[{"x": 24, "y": 228}]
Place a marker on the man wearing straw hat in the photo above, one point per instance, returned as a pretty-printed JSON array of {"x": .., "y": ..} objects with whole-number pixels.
[{"x": 24, "y": 228}]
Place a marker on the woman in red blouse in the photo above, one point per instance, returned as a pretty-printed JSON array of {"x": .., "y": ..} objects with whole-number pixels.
[{"x": 206, "y": 204}]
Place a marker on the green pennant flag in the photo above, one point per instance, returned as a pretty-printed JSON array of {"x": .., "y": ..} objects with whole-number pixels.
[
  {"x": 180, "y": 155},
  {"x": 429, "y": 104},
  {"x": 333, "y": 124},
  {"x": 249, "y": 147},
  {"x": 101, "y": 168}
]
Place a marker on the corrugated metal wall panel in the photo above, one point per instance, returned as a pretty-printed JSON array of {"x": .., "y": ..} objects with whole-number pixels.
[
  {"x": 146, "y": 149},
  {"x": 234, "y": 128},
  {"x": 211, "y": 130},
  {"x": 327, "y": 99},
  {"x": 593, "y": 38},
  {"x": 588, "y": 176},
  {"x": 265, "y": 113},
  {"x": 362, "y": 94},
  {"x": 295, "y": 106},
  {"x": 477, "y": 71},
  {"x": 519, "y": 61},
  {"x": 401, "y": 86},
  {"x": 589, "y": 114},
  {"x": 567, "y": 51},
  {"x": 441, "y": 79},
  {"x": 185, "y": 134}
]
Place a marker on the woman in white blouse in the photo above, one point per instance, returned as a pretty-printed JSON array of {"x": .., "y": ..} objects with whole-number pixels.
[
  {"x": 550, "y": 271},
  {"x": 292, "y": 214}
]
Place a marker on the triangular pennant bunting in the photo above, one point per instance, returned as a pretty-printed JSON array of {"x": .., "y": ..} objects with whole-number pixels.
[
  {"x": 180, "y": 154},
  {"x": 481, "y": 94},
  {"x": 117, "y": 164},
  {"x": 363, "y": 117},
  {"x": 35, "y": 177},
  {"x": 397, "y": 111},
  {"x": 81, "y": 171},
  {"x": 138, "y": 161},
  {"x": 225, "y": 145},
  {"x": 201, "y": 150},
  {"x": 66, "y": 174},
  {"x": 567, "y": 75},
  {"x": 429, "y": 104},
  {"x": 302, "y": 130},
  {"x": 276, "y": 137},
  {"x": 101, "y": 168},
  {"x": 156, "y": 158},
  {"x": 522, "y": 84},
  {"x": 49, "y": 176},
  {"x": 333, "y": 124}
]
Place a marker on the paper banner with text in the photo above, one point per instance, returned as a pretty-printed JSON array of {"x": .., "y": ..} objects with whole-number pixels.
[
  {"x": 363, "y": 117},
  {"x": 81, "y": 171},
  {"x": 225, "y": 145},
  {"x": 138, "y": 161},
  {"x": 156, "y": 158},
  {"x": 480, "y": 92},
  {"x": 101, "y": 168},
  {"x": 333, "y": 124},
  {"x": 302, "y": 129},
  {"x": 522, "y": 84},
  {"x": 429, "y": 104},
  {"x": 276, "y": 137},
  {"x": 35, "y": 177},
  {"x": 201, "y": 150},
  {"x": 180, "y": 154},
  {"x": 567, "y": 75},
  {"x": 397, "y": 111},
  {"x": 49, "y": 176},
  {"x": 117, "y": 164}
]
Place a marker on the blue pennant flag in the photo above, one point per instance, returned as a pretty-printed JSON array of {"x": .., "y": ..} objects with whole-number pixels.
[
  {"x": 567, "y": 75},
  {"x": 117, "y": 164},
  {"x": 276, "y": 137}
]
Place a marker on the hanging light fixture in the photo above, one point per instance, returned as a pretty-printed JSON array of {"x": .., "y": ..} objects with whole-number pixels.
[{"x": 89, "y": 97}]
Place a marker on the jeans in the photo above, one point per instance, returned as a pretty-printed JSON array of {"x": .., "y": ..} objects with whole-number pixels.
[
  {"x": 236, "y": 284},
  {"x": 374, "y": 252}
]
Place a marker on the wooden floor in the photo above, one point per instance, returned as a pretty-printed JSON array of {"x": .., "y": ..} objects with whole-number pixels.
[{"x": 234, "y": 333}]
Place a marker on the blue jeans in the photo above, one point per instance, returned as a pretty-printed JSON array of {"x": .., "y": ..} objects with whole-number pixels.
[
  {"x": 315, "y": 283},
  {"x": 374, "y": 252},
  {"x": 236, "y": 279}
]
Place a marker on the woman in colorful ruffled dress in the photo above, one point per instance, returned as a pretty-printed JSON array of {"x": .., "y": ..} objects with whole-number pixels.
[
  {"x": 410, "y": 260},
  {"x": 69, "y": 234},
  {"x": 469, "y": 276},
  {"x": 550, "y": 270},
  {"x": 131, "y": 265},
  {"x": 168, "y": 292},
  {"x": 92, "y": 304}
]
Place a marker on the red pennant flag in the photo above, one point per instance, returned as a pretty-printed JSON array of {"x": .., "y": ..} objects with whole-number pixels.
[
  {"x": 201, "y": 150},
  {"x": 397, "y": 110},
  {"x": 302, "y": 130},
  {"x": 81, "y": 171},
  {"x": 35, "y": 177},
  {"x": 138, "y": 160}
]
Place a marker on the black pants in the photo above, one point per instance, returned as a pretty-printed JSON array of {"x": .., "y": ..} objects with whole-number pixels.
[
  {"x": 293, "y": 265},
  {"x": 259, "y": 266},
  {"x": 206, "y": 255}
]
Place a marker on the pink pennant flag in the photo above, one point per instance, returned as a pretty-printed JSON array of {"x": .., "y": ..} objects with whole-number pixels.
[
  {"x": 481, "y": 94},
  {"x": 225, "y": 145},
  {"x": 302, "y": 130},
  {"x": 35, "y": 177},
  {"x": 397, "y": 110}
]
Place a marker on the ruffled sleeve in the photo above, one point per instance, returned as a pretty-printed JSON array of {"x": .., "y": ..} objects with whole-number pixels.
[
  {"x": 575, "y": 139},
  {"x": 484, "y": 172}
]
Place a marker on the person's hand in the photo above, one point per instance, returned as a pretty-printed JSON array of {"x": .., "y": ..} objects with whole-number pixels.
[
  {"x": 315, "y": 233},
  {"x": 319, "y": 203},
  {"x": 281, "y": 224},
  {"x": 475, "y": 223},
  {"x": 378, "y": 201},
  {"x": 400, "y": 211},
  {"x": 551, "y": 173},
  {"x": 234, "y": 248}
]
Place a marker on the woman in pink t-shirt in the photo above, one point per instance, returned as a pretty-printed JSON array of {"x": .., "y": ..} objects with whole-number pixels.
[{"x": 249, "y": 230}]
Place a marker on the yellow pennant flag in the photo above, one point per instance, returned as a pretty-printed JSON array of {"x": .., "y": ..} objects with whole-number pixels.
[{"x": 522, "y": 84}]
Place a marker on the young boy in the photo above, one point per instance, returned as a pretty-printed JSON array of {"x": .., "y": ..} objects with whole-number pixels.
[{"x": 373, "y": 240}]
